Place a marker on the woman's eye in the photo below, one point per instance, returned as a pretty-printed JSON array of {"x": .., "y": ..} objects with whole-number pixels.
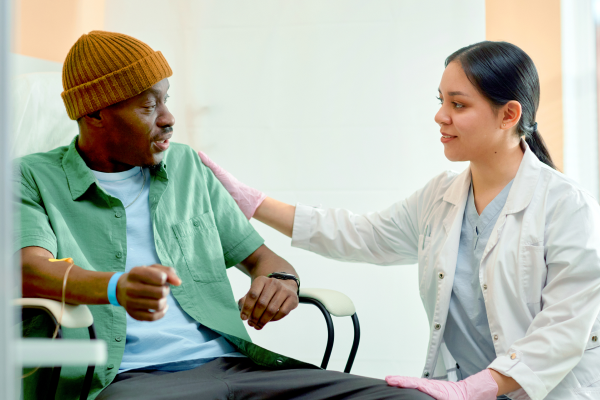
[
  {"x": 458, "y": 105},
  {"x": 439, "y": 99},
  {"x": 166, "y": 98}
]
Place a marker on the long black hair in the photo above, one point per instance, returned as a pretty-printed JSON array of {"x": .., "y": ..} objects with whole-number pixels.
[{"x": 503, "y": 72}]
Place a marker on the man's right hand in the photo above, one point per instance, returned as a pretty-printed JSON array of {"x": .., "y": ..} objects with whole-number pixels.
[{"x": 143, "y": 291}]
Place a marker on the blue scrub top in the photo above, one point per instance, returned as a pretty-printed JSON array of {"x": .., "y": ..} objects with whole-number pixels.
[{"x": 467, "y": 334}]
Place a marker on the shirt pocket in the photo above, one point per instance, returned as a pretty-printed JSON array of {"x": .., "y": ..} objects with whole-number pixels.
[
  {"x": 201, "y": 248},
  {"x": 534, "y": 276}
]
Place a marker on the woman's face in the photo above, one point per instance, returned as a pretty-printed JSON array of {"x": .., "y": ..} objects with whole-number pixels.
[{"x": 471, "y": 129}]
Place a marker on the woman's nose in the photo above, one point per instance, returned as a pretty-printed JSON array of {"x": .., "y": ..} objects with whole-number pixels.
[{"x": 441, "y": 117}]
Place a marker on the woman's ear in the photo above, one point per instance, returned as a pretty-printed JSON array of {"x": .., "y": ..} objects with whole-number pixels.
[{"x": 511, "y": 114}]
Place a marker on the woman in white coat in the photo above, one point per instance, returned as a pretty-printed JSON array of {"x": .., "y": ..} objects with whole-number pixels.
[{"x": 508, "y": 250}]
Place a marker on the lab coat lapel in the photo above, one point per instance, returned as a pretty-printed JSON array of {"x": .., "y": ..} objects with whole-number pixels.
[
  {"x": 456, "y": 195},
  {"x": 520, "y": 194},
  {"x": 456, "y": 199}
]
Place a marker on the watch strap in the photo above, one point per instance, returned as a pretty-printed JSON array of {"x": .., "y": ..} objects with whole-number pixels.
[{"x": 286, "y": 276}]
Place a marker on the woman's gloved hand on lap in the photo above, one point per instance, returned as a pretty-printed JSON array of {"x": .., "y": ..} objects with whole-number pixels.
[
  {"x": 248, "y": 199},
  {"x": 480, "y": 386}
]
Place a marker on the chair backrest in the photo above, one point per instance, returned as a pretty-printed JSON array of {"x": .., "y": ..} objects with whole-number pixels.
[{"x": 40, "y": 119}]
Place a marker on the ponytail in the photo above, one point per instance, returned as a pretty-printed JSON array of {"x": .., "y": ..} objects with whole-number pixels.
[
  {"x": 503, "y": 72},
  {"x": 537, "y": 145}
]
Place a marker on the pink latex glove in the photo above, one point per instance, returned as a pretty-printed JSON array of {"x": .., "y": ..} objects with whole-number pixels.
[
  {"x": 248, "y": 199},
  {"x": 480, "y": 386}
]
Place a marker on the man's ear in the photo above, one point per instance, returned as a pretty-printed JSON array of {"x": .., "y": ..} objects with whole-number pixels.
[
  {"x": 511, "y": 114},
  {"x": 93, "y": 119}
]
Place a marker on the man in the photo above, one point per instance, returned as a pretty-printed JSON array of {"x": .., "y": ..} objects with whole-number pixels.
[{"x": 123, "y": 201}]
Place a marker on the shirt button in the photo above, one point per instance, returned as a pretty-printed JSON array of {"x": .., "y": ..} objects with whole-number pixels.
[
  {"x": 119, "y": 254},
  {"x": 484, "y": 286},
  {"x": 441, "y": 275},
  {"x": 118, "y": 338},
  {"x": 513, "y": 356},
  {"x": 426, "y": 374},
  {"x": 196, "y": 223},
  {"x": 110, "y": 366},
  {"x": 594, "y": 338},
  {"x": 279, "y": 361},
  {"x": 118, "y": 214},
  {"x": 495, "y": 337},
  {"x": 437, "y": 327}
]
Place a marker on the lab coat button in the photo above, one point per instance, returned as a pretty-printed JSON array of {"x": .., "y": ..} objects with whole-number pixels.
[
  {"x": 441, "y": 275},
  {"x": 119, "y": 254},
  {"x": 196, "y": 223},
  {"x": 513, "y": 356},
  {"x": 118, "y": 214},
  {"x": 279, "y": 361},
  {"x": 484, "y": 286},
  {"x": 426, "y": 374},
  {"x": 437, "y": 327},
  {"x": 495, "y": 337},
  {"x": 110, "y": 366},
  {"x": 118, "y": 338},
  {"x": 594, "y": 338}
]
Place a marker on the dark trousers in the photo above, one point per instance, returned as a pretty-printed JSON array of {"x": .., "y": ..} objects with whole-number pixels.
[{"x": 240, "y": 378}]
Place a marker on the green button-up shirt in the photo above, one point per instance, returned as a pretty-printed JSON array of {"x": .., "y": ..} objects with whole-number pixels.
[{"x": 198, "y": 230}]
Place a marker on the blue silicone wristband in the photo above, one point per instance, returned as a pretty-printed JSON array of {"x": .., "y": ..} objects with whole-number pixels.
[{"x": 112, "y": 289}]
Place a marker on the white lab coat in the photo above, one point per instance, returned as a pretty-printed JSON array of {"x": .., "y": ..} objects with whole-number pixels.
[{"x": 540, "y": 272}]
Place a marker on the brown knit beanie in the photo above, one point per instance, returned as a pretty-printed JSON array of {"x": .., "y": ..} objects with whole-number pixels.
[{"x": 104, "y": 68}]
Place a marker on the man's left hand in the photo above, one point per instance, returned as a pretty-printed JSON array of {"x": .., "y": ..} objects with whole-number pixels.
[{"x": 268, "y": 300}]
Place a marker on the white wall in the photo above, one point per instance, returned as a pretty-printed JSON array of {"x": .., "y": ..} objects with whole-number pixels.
[{"x": 321, "y": 102}]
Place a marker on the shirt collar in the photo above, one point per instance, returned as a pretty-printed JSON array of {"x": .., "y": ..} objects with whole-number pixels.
[
  {"x": 80, "y": 177},
  {"x": 525, "y": 182}
]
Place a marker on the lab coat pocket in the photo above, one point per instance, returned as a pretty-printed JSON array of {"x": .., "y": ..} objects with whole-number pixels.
[
  {"x": 590, "y": 393},
  {"x": 201, "y": 248},
  {"x": 533, "y": 280},
  {"x": 587, "y": 370}
]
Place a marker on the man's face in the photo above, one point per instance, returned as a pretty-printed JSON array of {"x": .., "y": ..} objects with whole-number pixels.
[{"x": 137, "y": 131}]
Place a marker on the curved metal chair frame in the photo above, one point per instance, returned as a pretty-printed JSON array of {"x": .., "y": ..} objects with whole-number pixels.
[{"x": 331, "y": 333}]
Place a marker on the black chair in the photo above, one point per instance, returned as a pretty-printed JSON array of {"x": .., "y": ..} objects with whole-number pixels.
[{"x": 329, "y": 302}]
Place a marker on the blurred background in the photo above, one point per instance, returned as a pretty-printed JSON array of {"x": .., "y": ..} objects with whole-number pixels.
[{"x": 330, "y": 102}]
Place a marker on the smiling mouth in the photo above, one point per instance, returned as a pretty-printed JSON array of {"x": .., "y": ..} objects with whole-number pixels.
[{"x": 161, "y": 145}]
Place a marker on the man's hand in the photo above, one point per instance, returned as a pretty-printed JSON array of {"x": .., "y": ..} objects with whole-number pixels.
[
  {"x": 268, "y": 300},
  {"x": 143, "y": 291}
]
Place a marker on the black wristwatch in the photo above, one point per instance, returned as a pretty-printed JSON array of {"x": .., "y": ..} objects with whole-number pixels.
[{"x": 285, "y": 277}]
